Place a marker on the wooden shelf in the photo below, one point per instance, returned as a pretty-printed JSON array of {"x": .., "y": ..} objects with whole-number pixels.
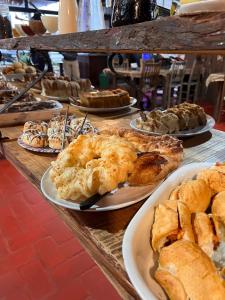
[{"x": 203, "y": 34}]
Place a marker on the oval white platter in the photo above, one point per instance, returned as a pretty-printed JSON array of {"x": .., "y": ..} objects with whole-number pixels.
[
  {"x": 185, "y": 133},
  {"x": 120, "y": 198},
  {"x": 139, "y": 258},
  {"x": 133, "y": 101}
]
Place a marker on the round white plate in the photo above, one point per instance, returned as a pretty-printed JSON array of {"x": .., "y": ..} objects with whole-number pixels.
[
  {"x": 120, "y": 198},
  {"x": 133, "y": 101},
  {"x": 185, "y": 133},
  {"x": 39, "y": 150}
]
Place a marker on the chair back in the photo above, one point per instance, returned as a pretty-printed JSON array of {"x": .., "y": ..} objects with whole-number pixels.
[
  {"x": 177, "y": 72},
  {"x": 150, "y": 69}
]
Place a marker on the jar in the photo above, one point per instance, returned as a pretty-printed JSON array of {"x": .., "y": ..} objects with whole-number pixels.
[
  {"x": 5, "y": 23},
  {"x": 68, "y": 14}
]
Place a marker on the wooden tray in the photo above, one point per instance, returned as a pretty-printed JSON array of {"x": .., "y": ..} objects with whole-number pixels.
[{"x": 8, "y": 119}]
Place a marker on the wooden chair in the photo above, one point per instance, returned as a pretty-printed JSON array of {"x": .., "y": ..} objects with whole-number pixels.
[
  {"x": 177, "y": 73},
  {"x": 150, "y": 77},
  {"x": 190, "y": 88},
  {"x": 125, "y": 64}
]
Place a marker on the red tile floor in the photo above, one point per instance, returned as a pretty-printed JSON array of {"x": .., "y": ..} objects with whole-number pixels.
[{"x": 40, "y": 258}]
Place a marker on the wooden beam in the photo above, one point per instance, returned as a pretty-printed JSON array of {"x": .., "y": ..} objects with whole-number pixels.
[{"x": 203, "y": 34}]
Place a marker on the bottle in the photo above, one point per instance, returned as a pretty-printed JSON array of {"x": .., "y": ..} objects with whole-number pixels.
[
  {"x": 133, "y": 11},
  {"x": 5, "y": 24},
  {"x": 68, "y": 14}
]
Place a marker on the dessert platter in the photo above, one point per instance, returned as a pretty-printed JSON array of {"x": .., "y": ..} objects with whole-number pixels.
[
  {"x": 182, "y": 120},
  {"x": 174, "y": 246},
  {"x": 18, "y": 71},
  {"x": 193, "y": 7},
  {"x": 104, "y": 101},
  {"x": 62, "y": 88},
  {"x": 120, "y": 166},
  {"x": 49, "y": 137}
]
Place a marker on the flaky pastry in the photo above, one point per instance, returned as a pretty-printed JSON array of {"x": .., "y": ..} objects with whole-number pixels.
[{"x": 186, "y": 272}]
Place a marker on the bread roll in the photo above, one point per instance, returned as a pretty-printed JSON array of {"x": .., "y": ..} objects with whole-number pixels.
[
  {"x": 204, "y": 232},
  {"x": 196, "y": 194},
  {"x": 185, "y": 222},
  {"x": 165, "y": 225},
  {"x": 214, "y": 178},
  {"x": 186, "y": 272},
  {"x": 218, "y": 213}
]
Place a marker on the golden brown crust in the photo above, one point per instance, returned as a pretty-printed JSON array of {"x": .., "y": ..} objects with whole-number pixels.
[
  {"x": 214, "y": 178},
  {"x": 193, "y": 270},
  {"x": 204, "y": 232},
  {"x": 185, "y": 222},
  {"x": 165, "y": 224},
  {"x": 196, "y": 194},
  {"x": 218, "y": 213}
]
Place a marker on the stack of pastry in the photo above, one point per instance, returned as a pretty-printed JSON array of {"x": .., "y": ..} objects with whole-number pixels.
[
  {"x": 98, "y": 163},
  {"x": 19, "y": 68},
  {"x": 63, "y": 87},
  {"x": 188, "y": 232},
  {"x": 105, "y": 99},
  {"x": 181, "y": 117},
  {"x": 42, "y": 134}
]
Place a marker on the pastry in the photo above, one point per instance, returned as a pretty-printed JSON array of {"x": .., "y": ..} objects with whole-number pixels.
[
  {"x": 214, "y": 178},
  {"x": 35, "y": 139},
  {"x": 196, "y": 7},
  {"x": 105, "y": 99},
  {"x": 63, "y": 87},
  {"x": 165, "y": 227},
  {"x": 218, "y": 214},
  {"x": 185, "y": 222},
  {"x": 92, "y": 164},
  {"x": 178, "y": 118},
  {"x": 36, "y": 126},
  {"x": 151, "y": 167},
  {"x": 203, "y": 229},
  {"x": 186, "y": 272},
  {"x": 196, "y": 194}
]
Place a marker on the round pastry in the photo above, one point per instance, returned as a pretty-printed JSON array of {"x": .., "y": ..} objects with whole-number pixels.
[
  {"x": 30, "y": 69},
  {"x": 57, "y": 122},
  {"x": 20, "y": 71},
  {"x": 17, "y": 65},
  {"x": 41, "y": 127},
  {"x": 35, "y": 139},
  {"x": 55, "y": 141}
]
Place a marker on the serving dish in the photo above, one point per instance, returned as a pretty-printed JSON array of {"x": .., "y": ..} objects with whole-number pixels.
[
  {"x": 33, "y": 149},
  {"x": 133, "y": 101},
  {"x": 185, "y": 133},
  {"x": 119, "y": 198},
  {"x": 139, "y": 258}
]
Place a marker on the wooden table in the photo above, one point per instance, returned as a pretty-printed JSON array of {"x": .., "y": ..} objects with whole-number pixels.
[{"x": 101, "y": 233}]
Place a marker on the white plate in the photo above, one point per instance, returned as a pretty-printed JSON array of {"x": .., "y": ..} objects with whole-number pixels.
[
  {"x": 185, "y": 133},
  {"x": 139, "y": 259},
  {"x": 120, "y": 198},
  {"x": 133, "y": 101}
]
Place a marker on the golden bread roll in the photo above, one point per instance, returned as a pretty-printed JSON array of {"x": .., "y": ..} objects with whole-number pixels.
[
  {"x": 203, "y": 229},
  {"x": 215, "y": 179},
  {"x": 185, "y": 222},
  {"x": 186, "y": 272},
  {"x": 218, "y": 213},
  {"x": 196, "y": 194},
  {"x": 165, "y": 227},
  {"x": 17, "y": 65}
]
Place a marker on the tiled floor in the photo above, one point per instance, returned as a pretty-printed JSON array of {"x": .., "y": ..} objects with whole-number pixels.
[{"x": 40, "y": 258}]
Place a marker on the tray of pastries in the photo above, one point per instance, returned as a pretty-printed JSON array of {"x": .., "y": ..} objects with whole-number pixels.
[
  {"x": 182, "y": 120},
  {"x": 120, "y": 165},
  {"x": 18, "y": 71},
  {"x": 62, "y": 88},
  {"x": 104, "y": 101},
  {"x": 174, "y": 247},
  {"x": 49, "y": 137}
]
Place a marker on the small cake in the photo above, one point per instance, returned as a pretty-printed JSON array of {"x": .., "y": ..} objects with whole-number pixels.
[
  {"x": 35, "y": 126},
  {"x": 192, "y": 7},
  {"x": 105, "y": 99},
  {"x": 35, "y": 139}
]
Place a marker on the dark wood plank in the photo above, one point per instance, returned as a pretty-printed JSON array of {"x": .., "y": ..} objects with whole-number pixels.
[{"x": 196, "y": 34}]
